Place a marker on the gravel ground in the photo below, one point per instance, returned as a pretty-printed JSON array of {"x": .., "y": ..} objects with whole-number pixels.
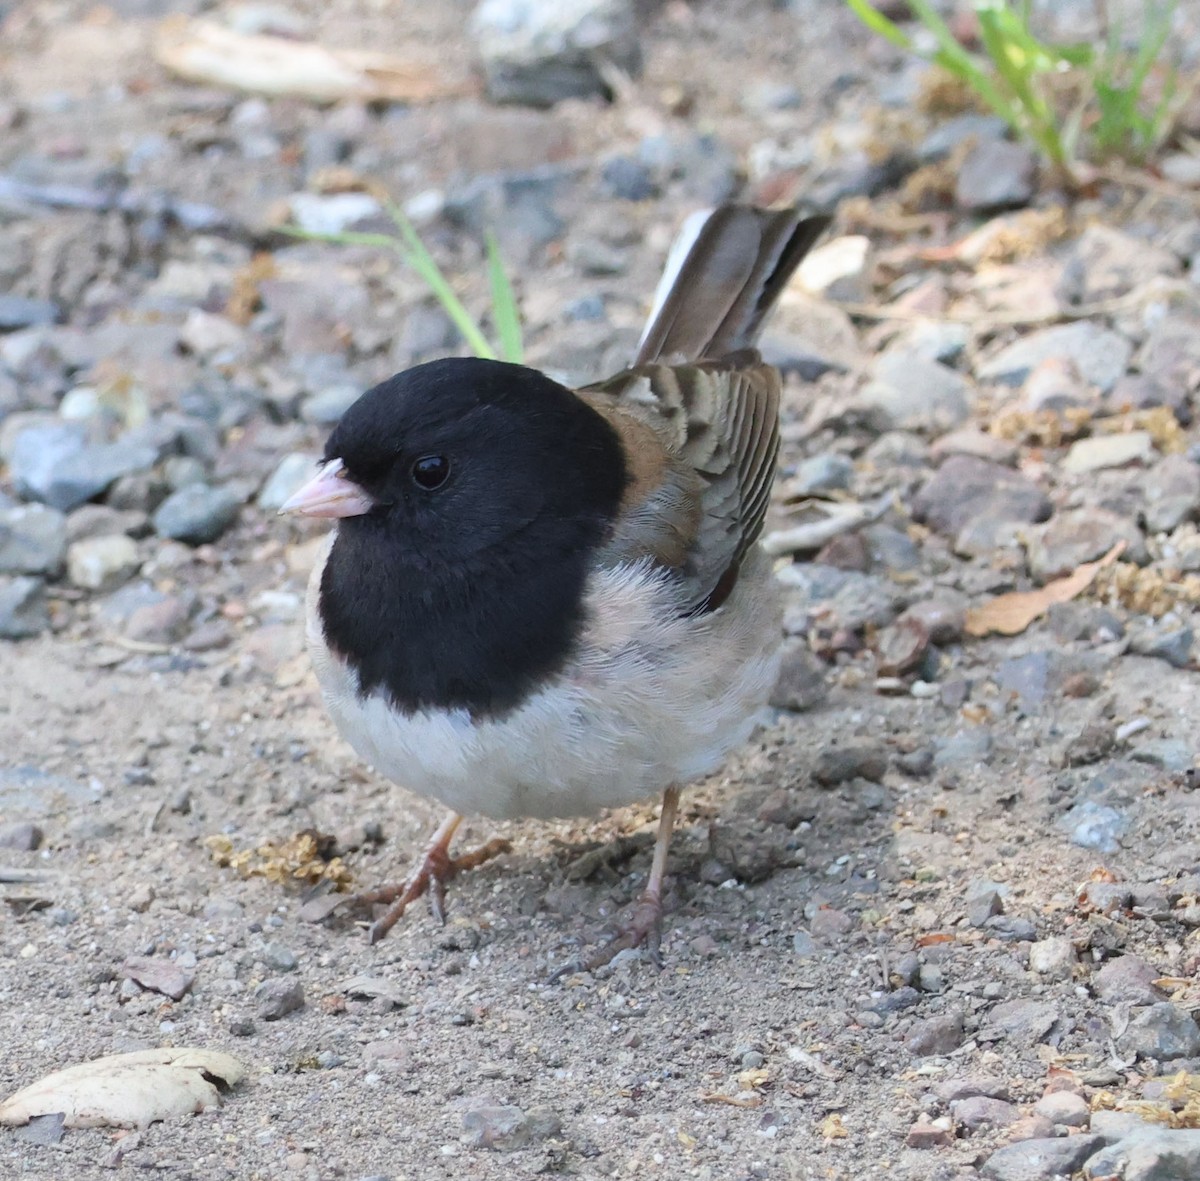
[{"x": 938, "y": 921}]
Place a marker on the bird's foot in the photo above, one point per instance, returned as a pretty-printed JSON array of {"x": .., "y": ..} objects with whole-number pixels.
[
  {"x": 641, "y": 927},
  {"x": 435, "y": 868}
]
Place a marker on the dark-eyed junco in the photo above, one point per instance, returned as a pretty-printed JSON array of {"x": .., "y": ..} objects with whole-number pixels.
[{"x": 543, "y": 602}]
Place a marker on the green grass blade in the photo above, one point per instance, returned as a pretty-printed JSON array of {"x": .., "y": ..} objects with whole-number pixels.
[
  {"x": 418, "y": 257},
  {"x": 878, "y": 23},
  {"x": 344, "y": 238},
  {"x": 505, "y": 313},
  {"x": 952, "y": 56}
]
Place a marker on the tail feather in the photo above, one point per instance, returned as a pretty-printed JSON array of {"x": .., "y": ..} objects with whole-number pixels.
[{"x": 724, "y": 273}]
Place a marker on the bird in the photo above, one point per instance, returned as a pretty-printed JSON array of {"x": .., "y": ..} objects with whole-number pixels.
[{"x": 539, "y": 601}]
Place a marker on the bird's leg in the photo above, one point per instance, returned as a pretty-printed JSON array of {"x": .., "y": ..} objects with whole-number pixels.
[
  {"x": 429, "y": 876},
  {"x": 643, "y": 925}
]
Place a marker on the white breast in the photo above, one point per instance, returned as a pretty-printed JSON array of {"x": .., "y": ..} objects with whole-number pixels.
[{"x": 650, "y": 700}]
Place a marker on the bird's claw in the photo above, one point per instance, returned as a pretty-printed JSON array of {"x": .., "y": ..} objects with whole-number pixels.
[
  {"x": 430, "y": 876},
  {"x": 642, "y": 927}
]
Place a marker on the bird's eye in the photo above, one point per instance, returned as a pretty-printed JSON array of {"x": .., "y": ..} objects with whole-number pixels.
[{"x": 430, "y": 472}]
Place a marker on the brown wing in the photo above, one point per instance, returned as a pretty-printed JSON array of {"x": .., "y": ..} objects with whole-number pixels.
[
  {"x": 734, "y": 269},
  {"x": 702, "y": 441},
  {"x": 702, "y": 436}
]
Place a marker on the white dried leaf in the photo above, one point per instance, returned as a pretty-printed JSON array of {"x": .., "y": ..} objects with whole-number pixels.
[{"x": 128, "y": 1090}]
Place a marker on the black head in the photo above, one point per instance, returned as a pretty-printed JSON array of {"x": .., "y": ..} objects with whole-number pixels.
[
  {"x": 461, "y": 455},
  {"x": 479, "y": 492}
]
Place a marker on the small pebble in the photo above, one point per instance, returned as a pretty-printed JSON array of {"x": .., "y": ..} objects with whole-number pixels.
[{"x": 278, "y": 997}]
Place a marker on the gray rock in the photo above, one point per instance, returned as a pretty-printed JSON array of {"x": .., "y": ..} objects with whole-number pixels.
[
  {"x": 801, "y": 683},
  {"x": 140, "y": 492},
  {"x": 538, "y": 54},
  {"x": 843, "y": 598},
  {"x": 1027, "y": 678},
  {"x": 1171, "y": 754},
  {"x": 1107, "y": 263},
  {"x": 1056, "y": 384},
  {"x": 278, "y": 957},
  {"x": 895, "y": 551},
  {"x": 768, "y": 95},
  {"x": 628, "y": 179},
  {"x": 162, "y": 622},
  {"x": 102, "y": 520},
  {"x": 181, "y": 470},
  {"x": 1149, "y": 1153},
  {"x": 703, "y": 167},
  {"x": 293, "y": 471},
  {"x": 822, "y": 340},
  {"x": 197, "y": 514},
  {"x": 1171, "y": 491},
  {"x": 1011, "y": 927},
  {"x": 1027, "y": 1021},
  {"x": 505, "y": 1128},
  {"x": 331, "y": 213},
  {"x": 838, "y": 269},
  {"x": 936, "y": 1036},
  {"x": 980, "y": 1111},
  {"x": 103, "y": 563},
  {"x": 1163, "y": 639},
  {"x": 1169, "y": 357},
  {"x": 33, "y": 539},
  {"x": 42, "y": 1129},
  {"x": 856, "y": 760},
  {"x": 1040, "y": 1159},
  {"x": 1100, "y": 355},
  {"x": 23, "y": 836},
  {"x": 22, "y": 608},
  {"x": 820, "y": 473},
  {"x": 1080, "y": 535},
  {"x": 1128, "y": 979},
  {"x": 1108, "y": 451},
  {"x": 215, "y": 337},
  {"x": 934, "y": 340},
  {"x": 803, "y": 944},
  {"x": 1162, "y": 1031},
  {"x": 965, "y": 488},
  {"x": 56, "y": 465},
  {"x": 1095, "y": 826},
  {"x": 908, "y": 392},
  {"x": 520, "y": 208},
  {"x": 947, "y": 136},
  {"x": 967, "y": 746},
  {"x": 17, "y": 311},
  {"x": 1053, "y": 958},
  {"x": 984, "y": 899},
  {"x": 278, "y": 997},
  {"x": 996, "y": 174},
  {"x": 326, "y": 407},
  {"x": 1065, "y": 1108},
  {"x": 956, "y": 1089},
  {"x": 1112, "y": 1126},
  {"x": 1140, "y": 391},
  {"x": 592, "y": 256}
]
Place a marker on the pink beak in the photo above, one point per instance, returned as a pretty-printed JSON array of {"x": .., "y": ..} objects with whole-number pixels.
[{"x": 329, "y": 494}]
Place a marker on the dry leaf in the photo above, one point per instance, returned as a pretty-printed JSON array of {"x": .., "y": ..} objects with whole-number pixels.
[
  {"x": 832, "y": 1127},
  {"x": 933, "y": 938},
  {"x": 731, "y": 1100},
  {"x": 755, "y": 1077},
  {"x": 128, "y": 1090},
  {"x": 1011, "y": 614},
  {"x": 201, "y": 51}
]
